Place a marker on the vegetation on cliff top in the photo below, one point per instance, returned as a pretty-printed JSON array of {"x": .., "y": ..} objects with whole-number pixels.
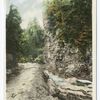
[{"x": 74, "y": 20}]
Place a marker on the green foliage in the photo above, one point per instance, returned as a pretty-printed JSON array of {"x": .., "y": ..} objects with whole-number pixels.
[
  {"x": 74, "y": 19},
  {"x": 39, "y": 59},
  {"x": 13, "y": 33},
  {"x": 32, "y": 41},
  {"x": 13, "y": 30}
]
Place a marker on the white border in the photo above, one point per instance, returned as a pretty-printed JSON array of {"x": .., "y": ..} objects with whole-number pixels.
[
  {"x": 2, "y": 51},
  {"x": 94, "y": 47},
  {"x": 98, "y": 49}
]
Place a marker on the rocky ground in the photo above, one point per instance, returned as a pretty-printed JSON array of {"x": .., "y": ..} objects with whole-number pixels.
[{"x": 32, "y": 83}]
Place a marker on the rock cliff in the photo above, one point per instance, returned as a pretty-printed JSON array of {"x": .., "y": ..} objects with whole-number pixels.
[{"x": 65, "y": 60}]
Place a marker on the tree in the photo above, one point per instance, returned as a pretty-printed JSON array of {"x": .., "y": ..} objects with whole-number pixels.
[
  {"x": 13, "y": 32},
  {"x": 32, "y": 41}
]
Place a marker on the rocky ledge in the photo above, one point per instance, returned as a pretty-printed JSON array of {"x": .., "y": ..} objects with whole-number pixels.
[{"x": 68, "y": 89}]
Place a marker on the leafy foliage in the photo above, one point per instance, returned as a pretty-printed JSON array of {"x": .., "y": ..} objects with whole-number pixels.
[
  {"x": 74, "y": 20},
  {"x": 32, "y": 41},
  {"x": 13, "y": 30},
  {"x": 39, "y": 59},
  {"x": 13, "y": 33}
]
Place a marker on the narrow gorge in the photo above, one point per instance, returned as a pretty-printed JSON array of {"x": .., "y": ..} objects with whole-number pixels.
[{"x": 49, "y": 50}]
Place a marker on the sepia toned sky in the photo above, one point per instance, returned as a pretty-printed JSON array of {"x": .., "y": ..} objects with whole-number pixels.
[{"x": 29, "y": 9}]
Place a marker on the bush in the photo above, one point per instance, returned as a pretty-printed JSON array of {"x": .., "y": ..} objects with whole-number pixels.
[{"x": 39, "y": 59}]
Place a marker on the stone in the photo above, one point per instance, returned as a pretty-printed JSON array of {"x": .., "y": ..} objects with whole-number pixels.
[{"x": 69, "y": 89}]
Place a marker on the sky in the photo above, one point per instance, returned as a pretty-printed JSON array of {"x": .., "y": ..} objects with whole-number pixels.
[{"x": 28, "y": 9}]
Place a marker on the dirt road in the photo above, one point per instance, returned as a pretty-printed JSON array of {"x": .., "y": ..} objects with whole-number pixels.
[{"x": 28, "y": 85}]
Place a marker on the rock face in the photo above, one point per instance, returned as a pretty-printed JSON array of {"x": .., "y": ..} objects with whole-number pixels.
[
  {"x": 69, "y": 89},
  {"x": 64, "y": 60},
  {"x": 67, "y": 75}
]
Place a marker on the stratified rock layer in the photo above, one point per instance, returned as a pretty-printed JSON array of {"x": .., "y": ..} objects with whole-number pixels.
[{"x": 69, "y": 89}]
